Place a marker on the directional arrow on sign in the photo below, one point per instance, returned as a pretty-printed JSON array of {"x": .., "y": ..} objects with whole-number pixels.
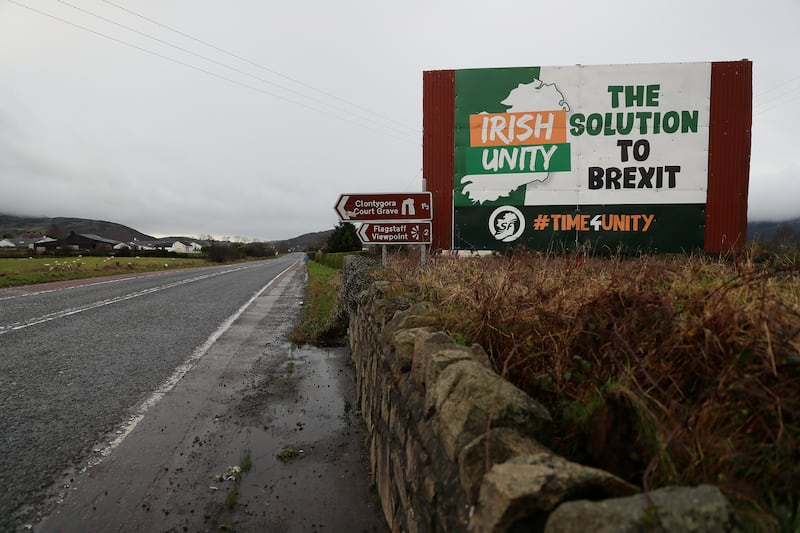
[
  {"x": 340, "y": 207},
  {"x": 395, "y": 233}
]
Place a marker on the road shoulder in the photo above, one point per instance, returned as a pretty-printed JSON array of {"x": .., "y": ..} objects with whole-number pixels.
[{"x": 251, "y": 396}]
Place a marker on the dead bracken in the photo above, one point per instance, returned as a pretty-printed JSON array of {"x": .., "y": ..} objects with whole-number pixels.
[{"x": 662, "y": 370}]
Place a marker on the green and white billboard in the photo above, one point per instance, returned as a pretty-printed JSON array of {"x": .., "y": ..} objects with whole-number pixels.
[{"x": 604, "y": 156}]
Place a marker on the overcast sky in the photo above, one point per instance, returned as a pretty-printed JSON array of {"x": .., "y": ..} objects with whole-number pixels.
[{"x": 254, "y": 118}]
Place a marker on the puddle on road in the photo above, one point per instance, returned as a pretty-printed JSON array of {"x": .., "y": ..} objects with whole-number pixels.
[
  {"x": 302, "y": 404},
  {"x": 318, "y": 405},
  {"x": 226, "y": 474}
]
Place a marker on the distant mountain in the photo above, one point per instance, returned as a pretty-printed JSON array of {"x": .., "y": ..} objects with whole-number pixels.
[
  {"x": 307, "y": 240},
  {"x": 766, "y": 231},
  {"x": 18, "y": 226},
  {"x": 59, "y": 227}
]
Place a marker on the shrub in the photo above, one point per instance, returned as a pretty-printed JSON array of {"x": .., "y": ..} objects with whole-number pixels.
[
  {"x": 343, "y": 239},
  {"x": 333, "y": 260},
  {"x": 222, "y": 253}
]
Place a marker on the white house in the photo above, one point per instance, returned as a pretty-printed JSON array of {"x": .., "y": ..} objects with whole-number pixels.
[
  {"x": 179, "y": 247},
  {"x": 21, "y": 243},
  {"x": 135, "y": 245}
]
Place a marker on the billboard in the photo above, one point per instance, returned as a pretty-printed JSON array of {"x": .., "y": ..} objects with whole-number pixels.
[{"x": 599, "y": 156}]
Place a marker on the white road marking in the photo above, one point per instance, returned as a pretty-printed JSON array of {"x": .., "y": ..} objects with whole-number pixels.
[
  {"x": 178, "y": 374},
  {"x": 87, "y": 282},
  {"x": 101, "y": 303}
]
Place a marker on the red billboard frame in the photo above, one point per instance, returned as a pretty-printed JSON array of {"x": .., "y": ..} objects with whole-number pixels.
[{"x": 728, "y": 154}]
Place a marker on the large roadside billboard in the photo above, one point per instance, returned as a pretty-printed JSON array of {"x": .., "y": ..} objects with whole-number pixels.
[{"x": 598, "y": 156}]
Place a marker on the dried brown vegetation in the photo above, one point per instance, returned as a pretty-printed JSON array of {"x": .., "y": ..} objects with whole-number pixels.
[{"x": 661, "y": 370}]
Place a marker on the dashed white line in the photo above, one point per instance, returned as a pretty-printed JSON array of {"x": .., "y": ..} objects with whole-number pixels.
[{"x": 101, "y": 303}]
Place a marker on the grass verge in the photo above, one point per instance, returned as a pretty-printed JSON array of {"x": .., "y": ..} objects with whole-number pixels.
[
  {"x": 321, "y": 322},
  {"x": 15, "y": 272}
]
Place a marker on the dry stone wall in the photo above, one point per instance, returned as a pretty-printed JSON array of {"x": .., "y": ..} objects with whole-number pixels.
[{"x": 454, "y": 447}]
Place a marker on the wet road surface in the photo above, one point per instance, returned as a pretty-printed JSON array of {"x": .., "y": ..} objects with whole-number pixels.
[{"x": 166, "y": 460}]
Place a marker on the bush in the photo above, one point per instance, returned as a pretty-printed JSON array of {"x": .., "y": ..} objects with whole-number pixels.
[
  {"x": 343, "y": 239},
  {"x": 333, "y": 260},
  {"x": 258, "y": 249},
  {"x": 101, "y": 250},
  {"x": 222, "y": 253}
]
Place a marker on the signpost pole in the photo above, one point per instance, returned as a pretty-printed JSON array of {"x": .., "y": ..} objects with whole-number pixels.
[
  {"x": 422, "y": 249},
  {"x": 384, "y": 254}
]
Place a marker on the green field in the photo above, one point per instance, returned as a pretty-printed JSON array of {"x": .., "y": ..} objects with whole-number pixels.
[{"x": 26, "y": 271}]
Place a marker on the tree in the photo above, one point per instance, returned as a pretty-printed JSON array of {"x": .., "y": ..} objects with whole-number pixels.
[
  {"x": 343, "y": 239},
  {"x": 222, "y": 252},
  {"x": 55, "y": 231},
  {"x": 258, "y": 249}
]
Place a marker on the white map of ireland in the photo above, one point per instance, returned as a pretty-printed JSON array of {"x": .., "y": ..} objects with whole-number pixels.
[{"x": 533, "y": 96}]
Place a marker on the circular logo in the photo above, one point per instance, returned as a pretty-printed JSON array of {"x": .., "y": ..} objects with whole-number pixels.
[{"x": 506, "y": 223}]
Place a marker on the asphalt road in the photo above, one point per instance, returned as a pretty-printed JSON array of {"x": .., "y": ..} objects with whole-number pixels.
[{"x": 78, "y": 364}]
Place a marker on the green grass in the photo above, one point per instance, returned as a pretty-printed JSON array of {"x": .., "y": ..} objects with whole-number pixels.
[
  {"x": 247, "y": 462},
  {"x": 320, "y": 323},
  {"x": 287, "y": 454},
  {"x": 231, "y": 497},
  {"x": 15, "y": 272}
]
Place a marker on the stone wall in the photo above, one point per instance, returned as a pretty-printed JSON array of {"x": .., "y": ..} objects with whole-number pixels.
[{"x": 454, "y": 447}]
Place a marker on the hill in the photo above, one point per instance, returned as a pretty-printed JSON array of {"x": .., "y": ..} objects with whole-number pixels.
[
  {"x": 767, "y": 231},
  {"x": 309, "y": 240},
  {"x": 59, "y": 227},
  {"x": 17, "y": 226}
]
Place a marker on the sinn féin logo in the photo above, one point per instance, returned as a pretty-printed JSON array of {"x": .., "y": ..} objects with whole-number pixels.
[{"x": 506, "y": 223}]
